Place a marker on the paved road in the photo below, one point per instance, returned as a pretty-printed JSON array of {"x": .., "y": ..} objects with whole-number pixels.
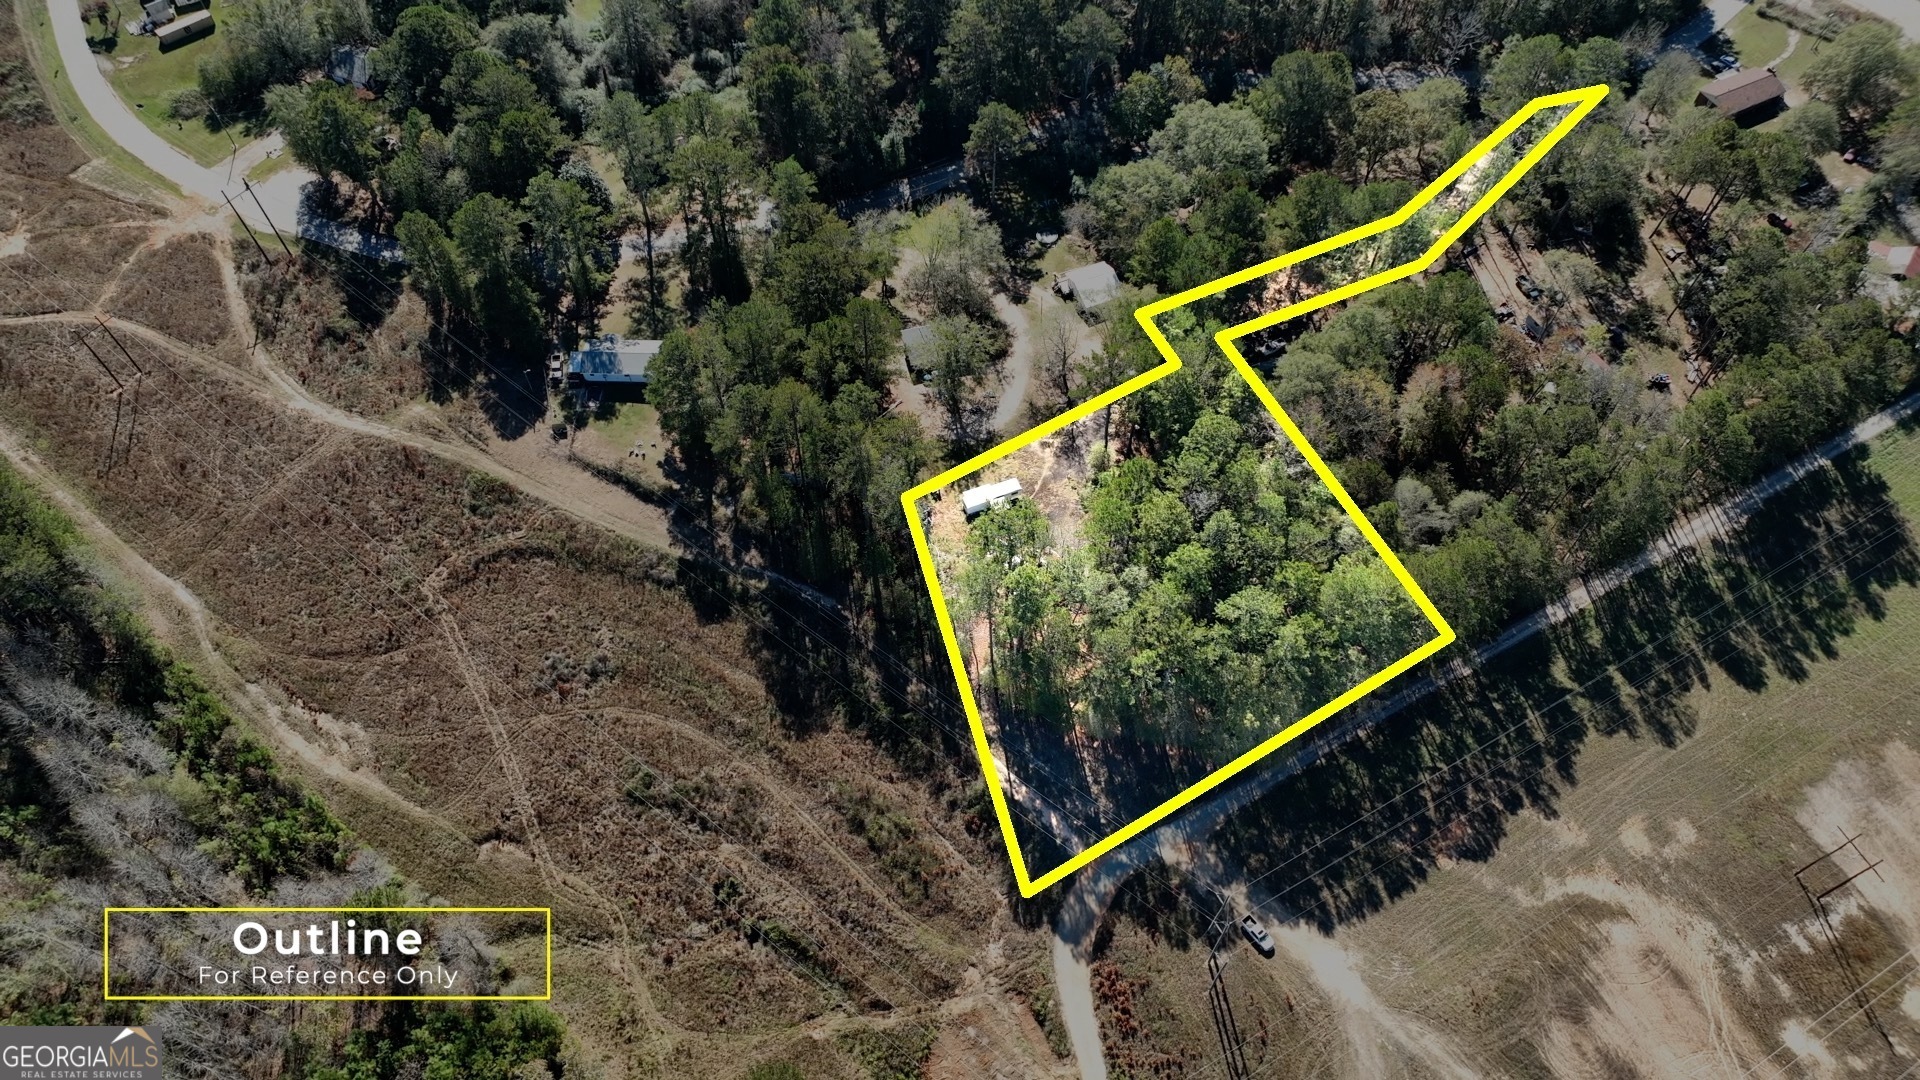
[
  {"x": 281, "y": 197},
  {"x": 1904, "y": 14},
  {"x": 1086, "y": 902}
]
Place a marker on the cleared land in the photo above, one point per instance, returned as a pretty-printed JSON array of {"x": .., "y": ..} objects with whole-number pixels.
[{"x": 503, "y": 701}]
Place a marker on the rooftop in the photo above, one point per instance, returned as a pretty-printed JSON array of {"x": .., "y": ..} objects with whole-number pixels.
[{"x": 1742, "y": 90}]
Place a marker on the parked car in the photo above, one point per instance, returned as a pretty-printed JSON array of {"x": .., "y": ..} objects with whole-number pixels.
[
  {"x": 1729, "y": 62},
  {"x": 1660, "y": 381},
  {"x": 1257, "y": 935},
  {"x": 1528, "y": 288},
  {"x": 1504, "y": 312},
  {"x": 1672, "y": 253}
]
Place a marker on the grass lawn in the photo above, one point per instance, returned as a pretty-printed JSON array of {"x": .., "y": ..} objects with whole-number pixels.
[
  {"x": 1793, "y": 70},
  {"x": 266, "y": 167},
  {"x": 1069, "y": 253},
  {"x": 72, "y": 114},
  {"x": 585, "y": 10},
  {"x": 145, "y": 78},
  {"x": 1756, "y": 41},
  {"x": 631, "y": 421}
]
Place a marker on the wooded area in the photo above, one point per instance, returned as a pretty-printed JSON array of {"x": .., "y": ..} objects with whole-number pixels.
[{"x": 511, "y": 148}]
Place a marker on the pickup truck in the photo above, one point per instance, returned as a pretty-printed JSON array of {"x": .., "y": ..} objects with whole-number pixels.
[{"x": 1257, "y": 935}]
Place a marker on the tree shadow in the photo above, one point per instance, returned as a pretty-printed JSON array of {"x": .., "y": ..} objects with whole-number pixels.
[
  {"x": 1365, "y": 824},
  {"x": 514, "y": 400}
]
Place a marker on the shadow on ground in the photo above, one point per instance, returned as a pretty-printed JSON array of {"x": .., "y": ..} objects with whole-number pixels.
[{"x": 1366, "y": 824}]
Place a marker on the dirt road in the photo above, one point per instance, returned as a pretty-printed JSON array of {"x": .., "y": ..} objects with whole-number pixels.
[{"x": 1019, "y": 371}]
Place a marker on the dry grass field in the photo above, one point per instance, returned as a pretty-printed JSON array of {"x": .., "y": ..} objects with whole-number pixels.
[
  {"x": 551, "y": 694},
  {"x": 511, "y": 706},
  {"x": 175, "y": 288}
]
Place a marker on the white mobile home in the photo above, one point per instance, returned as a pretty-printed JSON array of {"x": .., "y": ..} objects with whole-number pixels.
[
  {"x": 977, "y": 501},
  {"x": 611, "y": 360}
]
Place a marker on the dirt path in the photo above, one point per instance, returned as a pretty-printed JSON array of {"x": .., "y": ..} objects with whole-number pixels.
[{"x": 1019, "y": 372}]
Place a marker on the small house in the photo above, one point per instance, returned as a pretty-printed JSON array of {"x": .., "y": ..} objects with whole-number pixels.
[
  {"x": 1898, "y": 260},
  {"x": 1755, "y": 93},
  {"x": 185, "y": 29},
  {"x": 917, "y": 345},
  {"x": 347, "y": 66},
  {"x": 158, "y": 12},
  {"x": 977, "y": 501},
  {"x": 611, "y": 361},
  {"x": 1088, "y": 286},
  {"x": 181, "y": 7}
]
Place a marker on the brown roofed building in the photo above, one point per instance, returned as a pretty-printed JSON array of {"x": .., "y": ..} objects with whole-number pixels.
[{"x": 1744, "y": 91}]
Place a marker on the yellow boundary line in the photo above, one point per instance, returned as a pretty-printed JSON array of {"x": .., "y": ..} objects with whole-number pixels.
[
  {"x": 1584, "y": 101},
  {"x": 106, "y": 953}
]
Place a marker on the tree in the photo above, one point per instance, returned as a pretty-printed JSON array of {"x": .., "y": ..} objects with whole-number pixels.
[
  {"x": 1664, "y": 88},
  {"x": 964, "y": 356},
  {"x": 999, "y": 50},
  {"x": 1149, "y": 97},
  {"x": 716, "y": 179},
  {"x": 1123, "y": 199},
  {"x": 998, "y": 133},
  {"x": 1436, "y": 108},
  {"x": 1524, "y": 71},
  {"x": 1817, "y": 125},
  {"x": 1090, "y": 40},
  {"x": 574, "y": 250},
  {"x": 262, "y": 43},
  {"x": 789, "y": 111},
  {"x": 422, "y": 175},
  {"x": 1382, "y": 124},
  {"x": 420, "y": 54},
  {"x": 639, "y": 42},
  {"x": 1863, "y": 73},
  {"x": 1305, "y": 102},
  {"x": 641, "y": 149},
  {"x": 1201, "y": 139},
  {"x": 538, "y": 45},
  {"x": 434, "y": 266},
  {"x": 963, "y": 264},
  {"x": 1602, "y": 179},
  {"x": 487, "y": 231},
  {"x": 1899, "y": 144},
  {"x": 325, "y": 129}
]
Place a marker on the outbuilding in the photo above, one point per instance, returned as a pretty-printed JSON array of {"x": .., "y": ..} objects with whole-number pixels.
[
  {"x": 1898, "y": 260},
  {"x": 918, "y": 345},
  {"x": 185, "y": 29},
  {"x": 977, "y": 501},
  {"x": 1088, "y": 286},
  {"x": 612, "y": 361},
  {"x": 1753, "y": 94}
]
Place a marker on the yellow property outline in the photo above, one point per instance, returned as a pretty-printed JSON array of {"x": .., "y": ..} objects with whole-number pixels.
[
  {"x": 106, "y": 954},
  {"x": 1585, "y": 101}
]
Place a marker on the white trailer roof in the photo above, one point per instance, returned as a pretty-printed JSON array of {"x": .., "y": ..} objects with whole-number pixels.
[{"x": 974, "y": 500}]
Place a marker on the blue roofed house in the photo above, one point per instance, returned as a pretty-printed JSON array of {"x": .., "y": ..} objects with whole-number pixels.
[{"x": 611, "y": 360}]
